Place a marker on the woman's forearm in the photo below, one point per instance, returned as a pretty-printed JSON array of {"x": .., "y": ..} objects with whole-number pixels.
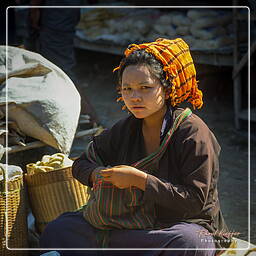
[{"x": 82, "y": 169}]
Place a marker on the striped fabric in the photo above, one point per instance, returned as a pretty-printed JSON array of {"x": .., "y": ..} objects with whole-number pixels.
[
  {"x": 178, "y": 66},
  {"x": 112, "y": 208}
]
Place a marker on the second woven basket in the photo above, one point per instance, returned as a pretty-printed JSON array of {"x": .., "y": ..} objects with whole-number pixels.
[
  {"x": 14, "y": 215},
  {"x": 53, "y": 193}
]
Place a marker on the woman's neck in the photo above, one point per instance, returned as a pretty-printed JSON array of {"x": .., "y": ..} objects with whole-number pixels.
[{"x": 155, "y": 121}]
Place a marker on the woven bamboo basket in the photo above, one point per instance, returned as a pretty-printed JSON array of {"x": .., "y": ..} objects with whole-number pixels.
[
  {"x": 17, "y": 234},
  {"x": 53, "y": 193}
]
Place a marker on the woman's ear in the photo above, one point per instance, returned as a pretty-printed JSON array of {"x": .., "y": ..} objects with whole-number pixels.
[{"x": 167, "y": 95}]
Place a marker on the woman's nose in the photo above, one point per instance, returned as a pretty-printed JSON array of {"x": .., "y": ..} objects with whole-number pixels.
[{"x": 135, "y": 96}]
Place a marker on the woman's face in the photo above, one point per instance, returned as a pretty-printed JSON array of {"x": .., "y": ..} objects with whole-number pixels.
[{"x": 142, "y": 92}]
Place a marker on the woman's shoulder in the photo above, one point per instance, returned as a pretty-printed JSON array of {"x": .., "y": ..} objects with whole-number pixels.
[
  {"x": 192, "y": 123},
  {"x": 193, "y": 132},
  {"x": 111, "y": 141},
  {"x": 118, "y": 132},
  {"x": 194, "y": 128},
  {"x": 125, "y": 124}
]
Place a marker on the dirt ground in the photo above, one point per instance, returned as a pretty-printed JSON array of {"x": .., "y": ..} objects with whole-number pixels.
[{"x": 96, "y": 81}]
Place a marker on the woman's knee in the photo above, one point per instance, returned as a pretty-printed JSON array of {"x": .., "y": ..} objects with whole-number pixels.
[
  {"x": 69, "y": 230},
  {"x": 189, "y": 236},
  {"x": 52, "y": 230},
  {"x": 60, "y": 229}
]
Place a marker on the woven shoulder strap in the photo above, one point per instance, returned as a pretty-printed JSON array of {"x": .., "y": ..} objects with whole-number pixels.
[{"x": 156, "y": 156}]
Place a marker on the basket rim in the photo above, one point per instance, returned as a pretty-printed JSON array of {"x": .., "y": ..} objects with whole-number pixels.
[
  {"x": 16, "y": 183},
  {"x": 46, "y": 173}
]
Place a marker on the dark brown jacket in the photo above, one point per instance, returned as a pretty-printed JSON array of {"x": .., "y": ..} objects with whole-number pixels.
[{"x": 184, "y": 188}]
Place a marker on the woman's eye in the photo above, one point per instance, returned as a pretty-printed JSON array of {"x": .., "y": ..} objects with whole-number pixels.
[
  {"x": 145, "y": 87},
  {"x": 126, "y": 88}
]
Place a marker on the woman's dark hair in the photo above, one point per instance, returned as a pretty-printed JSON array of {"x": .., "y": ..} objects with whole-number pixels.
[{"x": 142, "y": 57}]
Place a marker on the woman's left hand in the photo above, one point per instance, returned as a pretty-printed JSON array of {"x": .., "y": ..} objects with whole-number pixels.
[{"x": 124, "y": 176}]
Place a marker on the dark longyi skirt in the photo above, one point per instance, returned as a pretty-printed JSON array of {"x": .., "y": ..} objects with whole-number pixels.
[{"x": 71, "y": 230}]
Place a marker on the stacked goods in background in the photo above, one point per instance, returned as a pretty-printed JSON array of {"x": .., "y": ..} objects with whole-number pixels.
[
  {"x": 203, "y": 29},
  {"x": 52, "y": 189},
  {"x": 115, "y": 25},
  {"x": 13, "y": 217},
  {"x": 200, "y": 28}
]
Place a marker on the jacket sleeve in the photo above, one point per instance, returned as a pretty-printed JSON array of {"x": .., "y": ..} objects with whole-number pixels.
[
  {"x": 84, "y": 165},
  {"x": 196, "y": 151},
  {"x": 82, "y": 169},
  {"x": 105, "y": 146}
]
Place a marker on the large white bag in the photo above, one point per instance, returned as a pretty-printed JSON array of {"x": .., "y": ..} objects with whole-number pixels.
[{"x": 41, "y": 98}]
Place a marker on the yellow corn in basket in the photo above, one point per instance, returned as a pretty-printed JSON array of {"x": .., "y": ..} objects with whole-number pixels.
[
  {"x": 14, "y": 216},
  {"x": 53, "y": 193}
]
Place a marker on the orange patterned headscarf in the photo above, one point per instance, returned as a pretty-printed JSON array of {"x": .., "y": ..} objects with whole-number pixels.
[{"x": 178, "y": 66}]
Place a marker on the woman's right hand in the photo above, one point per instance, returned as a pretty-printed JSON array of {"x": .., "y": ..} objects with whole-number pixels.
[{"x": 125, "y": 176}]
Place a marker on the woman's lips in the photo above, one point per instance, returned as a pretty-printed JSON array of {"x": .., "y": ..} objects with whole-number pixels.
[{"x": 137, "y": 108}]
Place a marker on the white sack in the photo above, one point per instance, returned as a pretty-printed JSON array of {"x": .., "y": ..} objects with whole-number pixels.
[
  {"x": 12, "y": 172},
  {"x": 42, "y": 99}
]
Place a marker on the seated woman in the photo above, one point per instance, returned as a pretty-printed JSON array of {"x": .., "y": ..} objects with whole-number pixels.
[{"x": 154, "y": 174}]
